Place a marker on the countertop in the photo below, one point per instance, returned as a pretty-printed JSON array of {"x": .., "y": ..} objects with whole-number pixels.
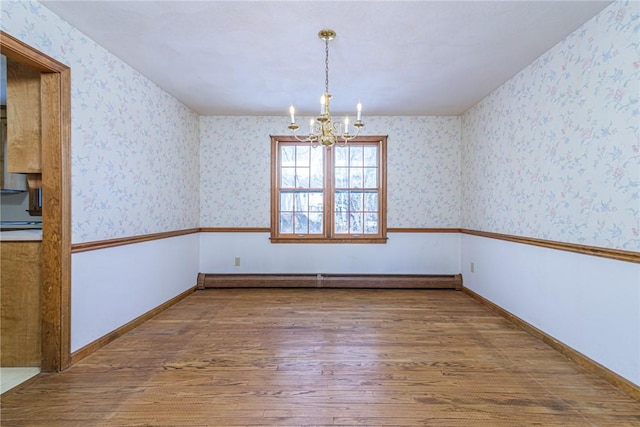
[{"x": 21, "y": 235}]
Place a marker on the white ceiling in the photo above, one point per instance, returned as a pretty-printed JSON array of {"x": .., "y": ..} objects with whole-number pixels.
[{"x": 396, "y": 57}]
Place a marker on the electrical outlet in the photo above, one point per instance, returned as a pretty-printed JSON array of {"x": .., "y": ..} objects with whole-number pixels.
[
  {"x": 236, "y": 262},
  {"x": 473, "y": 267}
]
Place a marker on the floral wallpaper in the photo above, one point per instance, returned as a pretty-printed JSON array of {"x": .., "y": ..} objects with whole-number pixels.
[
  {"x": 554, "y": 153},
  {"x": 134, "y": 147},
  {"x": 423, "y": 169}
]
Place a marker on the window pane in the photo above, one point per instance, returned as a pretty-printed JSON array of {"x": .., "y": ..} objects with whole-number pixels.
[
  {"x": 316, "y": 202},
  {"x": 355, "y": 178},
  {"x": 315, "y": 223},
  {"x": 355, "y": 223},
  {"x": 371, "y": 201},
  {"x": 302, "y": 155},
  {"x": 302, "y": 177},
  {"x": 316, "y": 171},
  {"x": 341, "y": 155},
  {"x": 287, "y": 177},
  {"x": 342, "y": 177},
  {"x": 355, "y": 155},
  {"x": 371, "y": 223},
  {"x": 287, "y": 155},
  {"x": 370, "y": 177},
  {"x": 341, "y": 223},
  {"x": 301, "y": 224},
  {"x": 370, "y": 155},
  {"x": 315, "y": 178},
  {"x": 286, "y": 200},
  {"x": 317, "y": 157},
  {"x": 286, "y": 222},
  {"x": 356, "y": 202},
  {"x": 301, "y": 201},
  {"x": 341, "y": 201}
]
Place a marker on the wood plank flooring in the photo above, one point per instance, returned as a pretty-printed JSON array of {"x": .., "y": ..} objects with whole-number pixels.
[{"x": 322, "y": 357}]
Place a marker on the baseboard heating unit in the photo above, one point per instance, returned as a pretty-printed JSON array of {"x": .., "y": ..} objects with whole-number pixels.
[{"x": 372, "y": 281}]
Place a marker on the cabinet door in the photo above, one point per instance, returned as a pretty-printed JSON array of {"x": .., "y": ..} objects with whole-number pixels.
[
  {"x": 23, "y": 119},
  {"x": 9, "y": 182},
  {"x": 20, "y": 319}
]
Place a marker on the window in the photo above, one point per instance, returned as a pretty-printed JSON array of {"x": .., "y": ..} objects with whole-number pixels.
[{"x": 323, "y": 195}]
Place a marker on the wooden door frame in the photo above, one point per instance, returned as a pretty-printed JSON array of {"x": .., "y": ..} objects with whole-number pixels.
[{"x": 55, "y": 297}]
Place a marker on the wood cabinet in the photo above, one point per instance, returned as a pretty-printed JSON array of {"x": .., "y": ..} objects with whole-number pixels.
[
  {"x": 24, "y": 130},
  {"x": 20, "y": 283},
  {"x": 9, "y": 182}
]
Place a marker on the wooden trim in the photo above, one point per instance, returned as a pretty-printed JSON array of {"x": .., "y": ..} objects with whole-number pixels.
[
  {"x": 235, "y": 229},
  {"x": 372, "y": 281},
  {"x": 274, "y": 164},
  {"x": 329, "y": 240},
  {"x": 268, "y": 230},
  {"x": 423, "y": 230},
  {"x": 617, "y": 254},
  {"x": 56, "y": 230},
  {"x": 25, "y": 54},
  {"x": 589, "y": 364},
  {"x": 56, "y": 215},
  {"x": 111, "y": 336},
  {"x": 103, "y": 244}
]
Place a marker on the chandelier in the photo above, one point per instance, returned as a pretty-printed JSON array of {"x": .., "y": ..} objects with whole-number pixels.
[{"x": 323, "y": 130}]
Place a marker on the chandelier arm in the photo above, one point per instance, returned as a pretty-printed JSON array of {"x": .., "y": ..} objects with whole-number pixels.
[
  {"x": 351, "y": 137},
  {"x": 295, "y": 135}
]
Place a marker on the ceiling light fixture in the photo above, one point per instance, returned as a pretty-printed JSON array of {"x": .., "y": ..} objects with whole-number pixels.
[{"x": 324, "y": 130}]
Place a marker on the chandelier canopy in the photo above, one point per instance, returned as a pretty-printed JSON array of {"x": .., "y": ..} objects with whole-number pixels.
[{"x": 323, "y": 130}]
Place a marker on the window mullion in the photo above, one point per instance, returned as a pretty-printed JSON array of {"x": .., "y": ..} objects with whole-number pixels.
[{"x": 328, "y": 195}]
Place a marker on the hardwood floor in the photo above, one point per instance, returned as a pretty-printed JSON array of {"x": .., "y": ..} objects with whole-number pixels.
[{"x": 322, "y": 357}]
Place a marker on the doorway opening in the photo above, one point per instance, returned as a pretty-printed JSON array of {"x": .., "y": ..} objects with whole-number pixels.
[{"x": 55, "y": 288}]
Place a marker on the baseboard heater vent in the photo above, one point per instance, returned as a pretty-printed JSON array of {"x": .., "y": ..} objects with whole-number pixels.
[{"x": 372, "y": 281}]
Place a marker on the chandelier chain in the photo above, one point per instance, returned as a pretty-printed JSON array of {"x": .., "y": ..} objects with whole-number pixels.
[{"x": 326, "y": 66}]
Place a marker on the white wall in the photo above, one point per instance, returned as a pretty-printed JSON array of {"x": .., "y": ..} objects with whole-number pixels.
[
  {"x": 591, "y": 304},
  {"x": 423, "y": 175},
  {"x": 114, "y": 286},
  {"x": 404, "y": 253},
  {"x": 134, "y": 171},
  {"x": 553, "y": 154}
]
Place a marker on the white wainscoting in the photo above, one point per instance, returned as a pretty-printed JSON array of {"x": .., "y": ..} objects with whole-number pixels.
[
  {"x": 408, "y": 253},
  {"x": 111, "y": 287},
  {"x": 589, "y": 303}
]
